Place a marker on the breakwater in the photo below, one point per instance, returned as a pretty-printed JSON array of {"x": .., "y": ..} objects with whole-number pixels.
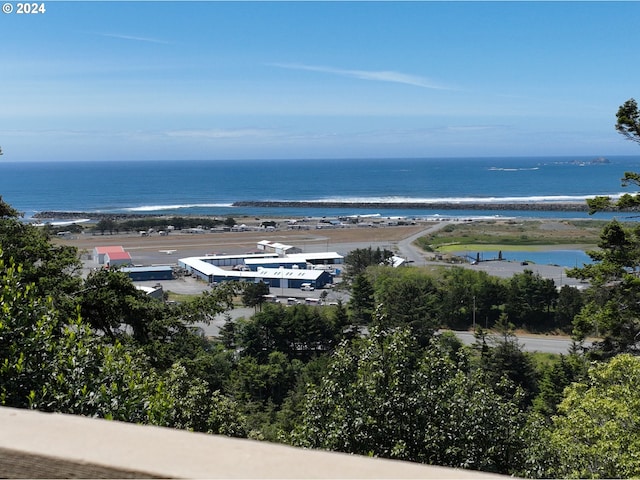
[
  {"x": 292, "y": 204},
  {"x": 534, "y": 206}
]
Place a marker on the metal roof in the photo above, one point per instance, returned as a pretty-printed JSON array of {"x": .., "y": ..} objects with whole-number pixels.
[
  {"x": 315, "y": 256},
  {"x": 154, "y": 268},
  {"x": 205, "y": 268},
  {"x": 118, "y": 255}
]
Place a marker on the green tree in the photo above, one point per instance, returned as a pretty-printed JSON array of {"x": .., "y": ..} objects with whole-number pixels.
[
  {"x": 628, "y": 120},
  {"x": 53, "y": 270},
  {"x": 569, "y": 304},
  {"x": 270, "y": 381},
  {"x": 407, "y": 297},
  {"x": 597, "y": 431},
  {"x": 361, "y": 305},
  {"x": 341, "y": 320},
  {"x": 612, "y": 307},
  {"x": 554, "y": 379},
  {"x": 530, "y": 300},
  {"x": 107, "y": 301},
  {"x": 197, "y": 408},
  {"x": 55, "y": 364},
  {"x": 504, "y": 359},
  {"x": 60, "y": 365},
  {"x": 464, "y": 292},
  {"x": 6, "y": 211},
  {"x": 106, "y": 225},
  {"x": 382, "y": 397},
  {"x": 359, "y": 259},
  {"x": 253, "y": 294},
  {"x": 115, "y": 308},
  {"x": 299, "y": 331}
]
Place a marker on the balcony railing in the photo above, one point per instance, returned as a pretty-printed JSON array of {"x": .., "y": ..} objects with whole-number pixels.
[{"x": 45, "y": 445}]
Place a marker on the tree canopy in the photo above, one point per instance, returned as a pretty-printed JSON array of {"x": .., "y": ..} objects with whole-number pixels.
[
  {"x": 382, "y": 396},
  {"x": 628, "y": 123},
  {"x": 596, "y": 433}
]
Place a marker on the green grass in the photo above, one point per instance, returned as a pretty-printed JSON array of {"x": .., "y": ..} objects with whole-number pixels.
[
  {"x": 180, "y": 297},
  {"x": 512, "y": 235},
  {"x": 478, "y": 247},
  {"x": 543, "y": 360}
]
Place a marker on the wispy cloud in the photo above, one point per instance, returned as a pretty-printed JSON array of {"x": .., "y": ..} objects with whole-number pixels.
[
  {"x": 218, "y": 134},
  {"x": 372, "y": 75},
  {"x": 133, "y": 38}
]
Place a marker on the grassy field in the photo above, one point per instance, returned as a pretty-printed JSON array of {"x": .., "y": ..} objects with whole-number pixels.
[{"x": 514, "y": 235}]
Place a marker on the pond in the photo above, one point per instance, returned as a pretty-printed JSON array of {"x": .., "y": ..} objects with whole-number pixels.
[{"x": 563, "y": 258}]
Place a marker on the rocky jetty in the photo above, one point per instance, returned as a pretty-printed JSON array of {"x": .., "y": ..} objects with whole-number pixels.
[
  {"x": 540, "y": 206},
  {"x": 514, "y": 206}
]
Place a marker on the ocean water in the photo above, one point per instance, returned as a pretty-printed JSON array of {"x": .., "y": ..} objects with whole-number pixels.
[{"x": 211, "y": 187}]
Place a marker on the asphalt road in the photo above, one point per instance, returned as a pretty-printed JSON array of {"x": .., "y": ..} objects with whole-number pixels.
[
  {"x": 543, "y": 344},
  {"x": 412, "y": 253}
]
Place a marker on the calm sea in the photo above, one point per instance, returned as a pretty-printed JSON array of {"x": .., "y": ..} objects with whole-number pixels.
[{"x": 210, "y": 187}]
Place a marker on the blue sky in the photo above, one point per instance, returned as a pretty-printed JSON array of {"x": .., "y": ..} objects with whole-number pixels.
[{"x": 225, "y": 80}]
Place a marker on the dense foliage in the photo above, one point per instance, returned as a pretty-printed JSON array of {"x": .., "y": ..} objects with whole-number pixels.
[{"x": 383, "y": 395}]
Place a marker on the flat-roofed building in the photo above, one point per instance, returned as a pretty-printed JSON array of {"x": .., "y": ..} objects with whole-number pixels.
[
  {"x": 143, "y": 274},
  {"x": 279, "y": 248},
  {"x": 278, "y": 262},
  {"x": 275, "y": 277},
  {"x": 233, "y": 260},
  {"x": 319, "y": 258}
]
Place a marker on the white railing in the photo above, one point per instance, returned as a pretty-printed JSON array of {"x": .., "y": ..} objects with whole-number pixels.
[{"x": 43, "y": 445}]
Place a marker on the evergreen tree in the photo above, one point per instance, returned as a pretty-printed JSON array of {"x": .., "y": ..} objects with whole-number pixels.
[
  {"x": 382, "y": 397},
  {"x": 596, "y": 433},
  {"x": 361, "y": 305}
]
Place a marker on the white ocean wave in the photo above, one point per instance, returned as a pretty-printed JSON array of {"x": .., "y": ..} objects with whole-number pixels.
[
  {"x": 463, "y": 200},
  {"x": 501, "y": 169},
  {"x": 155, "y": 208}
]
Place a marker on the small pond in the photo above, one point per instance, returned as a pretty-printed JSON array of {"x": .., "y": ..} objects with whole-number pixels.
[{"x": 563, "y": 258}]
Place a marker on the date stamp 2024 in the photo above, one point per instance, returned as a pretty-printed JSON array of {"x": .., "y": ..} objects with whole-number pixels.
[{"x": 20, "y": 8}]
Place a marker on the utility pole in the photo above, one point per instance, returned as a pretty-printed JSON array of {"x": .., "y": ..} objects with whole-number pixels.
[{"x": 474, "y": 313}]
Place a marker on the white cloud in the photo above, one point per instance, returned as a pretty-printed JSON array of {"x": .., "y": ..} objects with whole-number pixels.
[
  {"x": 216, "y": 134},
  {"x": 134, "y": 38},
  {"x": 373, "y": 75}
]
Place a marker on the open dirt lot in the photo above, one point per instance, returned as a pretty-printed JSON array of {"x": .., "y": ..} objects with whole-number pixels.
[{"x": 156, "y": 249}]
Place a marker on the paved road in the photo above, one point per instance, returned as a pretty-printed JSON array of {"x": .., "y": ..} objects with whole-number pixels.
[
  {"x": 545, "y": 344},
  {"x": 529, "y": 344},
  {"x": 413, "y": 254}
]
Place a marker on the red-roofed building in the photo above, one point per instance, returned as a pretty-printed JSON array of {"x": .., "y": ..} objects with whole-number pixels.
[
  {"x": 100, "y": 252},
  {"x": 113, "y": 259}
]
